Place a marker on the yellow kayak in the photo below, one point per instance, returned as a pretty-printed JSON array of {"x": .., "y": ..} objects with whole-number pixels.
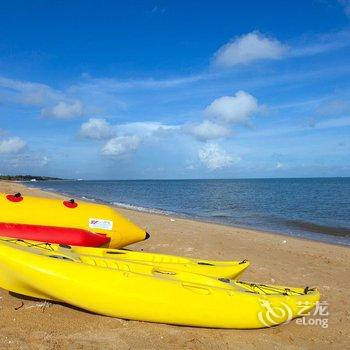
[
  {"x": 136, "y": 291},
  {"x": 103, "y": 257},
  {"x": 57, "y": 214}
]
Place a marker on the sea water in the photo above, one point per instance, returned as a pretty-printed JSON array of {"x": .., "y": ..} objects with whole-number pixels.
[{"x": 314, "y": 208}]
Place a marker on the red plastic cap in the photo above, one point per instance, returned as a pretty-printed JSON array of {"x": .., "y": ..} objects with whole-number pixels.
[
  {"x": 14, "y": 197},
  {"x": 70, "y": 204}
]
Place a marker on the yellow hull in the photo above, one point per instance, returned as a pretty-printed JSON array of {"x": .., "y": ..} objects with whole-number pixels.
[
  {"x": 139, "y": 291},
  {"x": 56, "y": 212},
  {"x": 104, "y": 257}
]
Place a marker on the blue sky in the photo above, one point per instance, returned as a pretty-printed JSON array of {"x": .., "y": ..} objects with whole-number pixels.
[{"x": 175, "y": 89}]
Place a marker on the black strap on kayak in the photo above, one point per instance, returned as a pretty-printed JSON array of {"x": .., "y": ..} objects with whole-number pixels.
[
  {"x": 66, "y": 246},
  {"x": 204, "y": 263}
]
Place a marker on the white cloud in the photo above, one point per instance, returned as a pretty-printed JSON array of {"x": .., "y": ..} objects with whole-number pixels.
[
  {"x": 64, "y": 110},
  {"x": 214, "y": 157},
  {"x": 145, "y": 129},
  {"x": 96, "y": 128},
  {"x": 207, "y": 130},
  {"x": 12, "y": 145},
  {"x": 233, "y": 109},
  {"x": 104, "y": 85},
  {"x": 248, "y": 48},
  {"x": 30, "y": 93},
  {"x": 279, "y": 165},
  {"x": 54, "y": 103},
  {"x": 99, "y": 128},
  {"x": 120, "y": 145}
]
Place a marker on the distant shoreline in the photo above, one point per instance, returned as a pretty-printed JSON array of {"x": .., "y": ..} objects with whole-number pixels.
[
  {"x": 46, "y": 178},
  {"x": 28, "y": 178}
]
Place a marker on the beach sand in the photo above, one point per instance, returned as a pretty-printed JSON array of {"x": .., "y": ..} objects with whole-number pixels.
[{"x": 278, "y": 259}]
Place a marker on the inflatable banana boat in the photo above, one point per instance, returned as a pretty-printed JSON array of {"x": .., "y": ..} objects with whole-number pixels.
[
  {"x": 104, "y": 257},
  {"x": 66, "y": 221},
  {"x": 143, "y": 292},
  {"x": 53, "y": 234}
]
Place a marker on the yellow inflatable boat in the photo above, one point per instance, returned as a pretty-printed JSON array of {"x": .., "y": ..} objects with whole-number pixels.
[
  {"x": 39, "y": 213},
  {"x": 143, "y": 292},
  {"x": 104, "y": 257}
]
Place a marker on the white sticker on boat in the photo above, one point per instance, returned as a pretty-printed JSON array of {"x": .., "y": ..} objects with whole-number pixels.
[{"x": 101, "y": 224}]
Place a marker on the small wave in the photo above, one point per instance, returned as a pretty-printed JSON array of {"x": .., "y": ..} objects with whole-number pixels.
[
  {"x": 50, "y": 189},
  {"x": 311, "y": 227},
  {"x": 88, "y": 199},
  {"x": 143, "y": 209},
  {"x": 219, "y": 216}
]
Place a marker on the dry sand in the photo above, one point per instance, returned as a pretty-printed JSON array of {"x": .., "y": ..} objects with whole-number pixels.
[{"x": 275, "y": 259}]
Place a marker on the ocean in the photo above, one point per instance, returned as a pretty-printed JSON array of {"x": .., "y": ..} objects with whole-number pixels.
[{"x": 314, "y": 208}]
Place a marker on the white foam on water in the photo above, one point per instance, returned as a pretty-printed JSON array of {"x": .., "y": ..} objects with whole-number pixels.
[
  {"x": 143, "y": 209},
  {"x": 88, "y": 199}
]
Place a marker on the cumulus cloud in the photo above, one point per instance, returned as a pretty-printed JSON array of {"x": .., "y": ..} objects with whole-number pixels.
[
  {"x": 97, "y": 129},
  {"x": 120, "y": 145},
  {"x": 214, "y": 157},
  {"x": 207, "y": 130},
  {"x": 248, "y": 48},
  {"x": 233, "y": 109},
  {"x": 64, "y": 110},
  {"x": 12, "y": 145},
  {"x": 123, "y": 138},
  {"x": 146, "y": 129},
  {"x": 224, "y": 112}
]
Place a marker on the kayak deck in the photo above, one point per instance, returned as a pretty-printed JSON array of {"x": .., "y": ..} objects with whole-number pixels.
[
  {"x": 146, "y": 292},
  {"x": 108, "y": 257}
]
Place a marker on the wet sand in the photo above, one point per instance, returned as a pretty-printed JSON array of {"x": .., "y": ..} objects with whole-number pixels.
[{"x": 278, "y": 259}]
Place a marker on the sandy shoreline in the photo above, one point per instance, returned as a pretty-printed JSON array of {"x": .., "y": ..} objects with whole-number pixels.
[{"x": 275, "y": 258}]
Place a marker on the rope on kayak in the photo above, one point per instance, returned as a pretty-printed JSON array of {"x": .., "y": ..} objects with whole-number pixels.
[
  {"x": 43, "y": 245},
  {"x": 265, "y": 289}
]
